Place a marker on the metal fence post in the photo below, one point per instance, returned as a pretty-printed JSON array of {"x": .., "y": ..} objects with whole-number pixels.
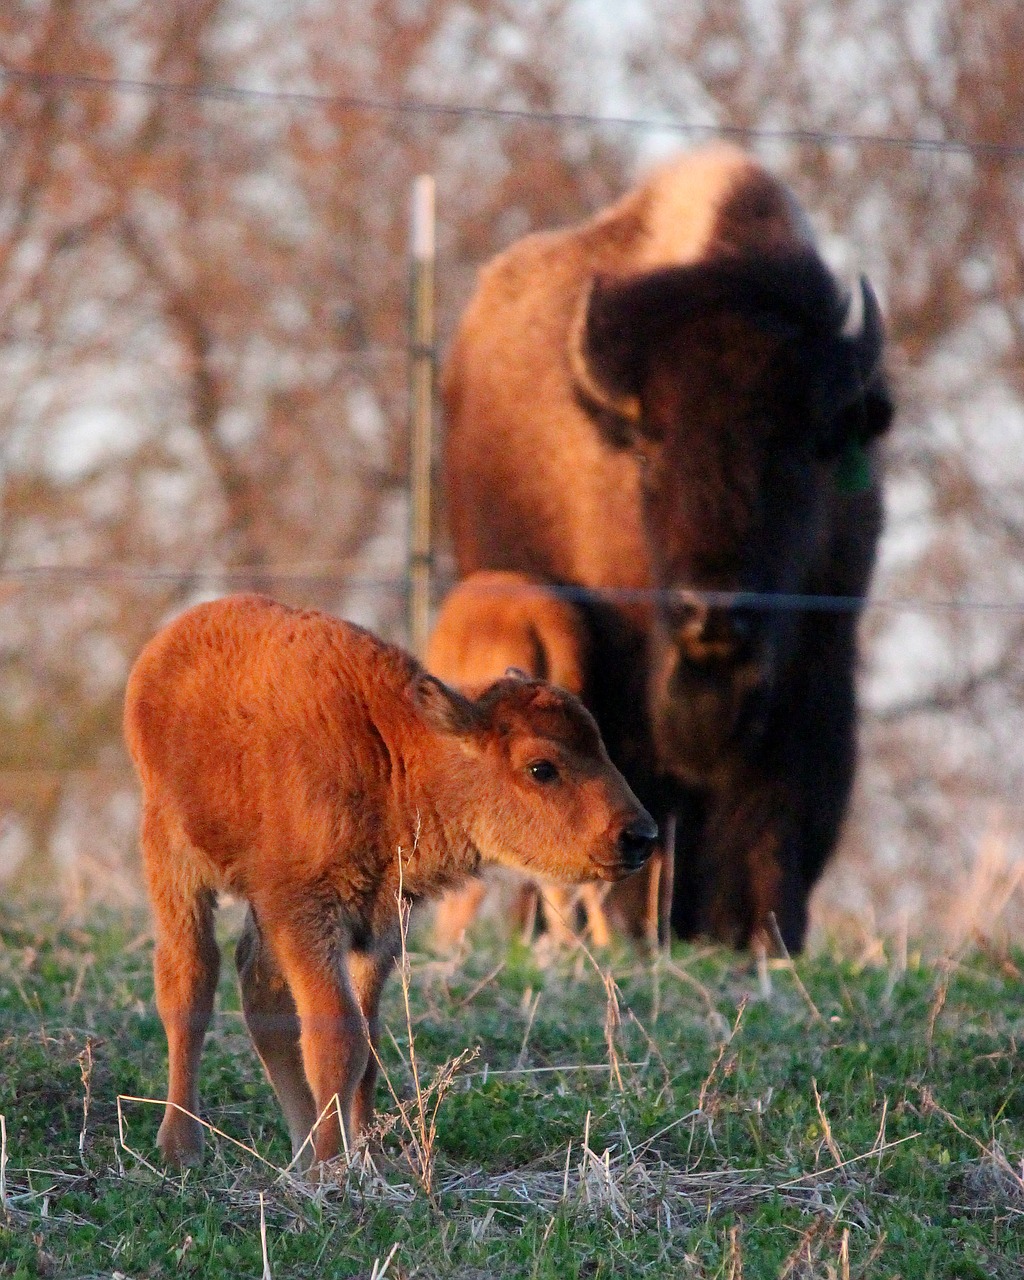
[{"x": 423, "y": 359}]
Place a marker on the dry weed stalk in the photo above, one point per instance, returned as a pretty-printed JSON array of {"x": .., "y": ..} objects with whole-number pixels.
[
  {"x": 880, "y": 1140},
  {"x": 992, "y": 1151},
  {"x": 844, "y": 1255},
  {"x": 707, "y": 1100},
  {"x": 530, "y": 1004},
  {"x": 613, "y": 1012},
  {"x": 85, "y": 1065},
  {"x": 826, "y": 1129},
  {"x": 807, "y": 1260},
  {"x": 420, "y": 1124},
  {"x": 735, "y": 1259},
  {"x": 801, "y": 1262},
  {"x": 3, "y": 1167},
  {"x": 613, "y": 1024},
  {"x": 404, "y": 913},
  {"x": 994, "y": 880},
  {"x": 717, "y": 1020},
  {"x": 380, "y": 1269},
  {"x": 939, "y": 1002},
  {"x": 786, "y": 961},
  {"x": 899, "y": 961},
  {"x": 263, "y": 1240},
  {"x": 122, "y": 1130},
  {"x": 878, "y": 1148},
  {"x": 477, "y": 987},
  {"x": 597, "y": 1183}
]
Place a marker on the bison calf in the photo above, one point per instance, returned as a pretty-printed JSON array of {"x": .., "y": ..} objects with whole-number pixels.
[
  {"x": 488, "y": 623},
  {"x": 322, "y": 775}
]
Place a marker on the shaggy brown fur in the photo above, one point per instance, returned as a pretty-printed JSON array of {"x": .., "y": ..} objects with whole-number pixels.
[
  {"x": 666, "y": 398},
  {"x": 320, "y": 774}
]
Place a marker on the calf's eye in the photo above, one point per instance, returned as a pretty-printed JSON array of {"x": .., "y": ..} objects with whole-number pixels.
[{"x": 542, "y": 771}]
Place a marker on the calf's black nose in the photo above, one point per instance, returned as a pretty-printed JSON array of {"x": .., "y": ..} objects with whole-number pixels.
[{"x": 637, "y": 841}]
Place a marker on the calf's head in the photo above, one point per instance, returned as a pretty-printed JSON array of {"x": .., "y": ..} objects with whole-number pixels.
[
  {"x": 749, "y": 405},
  {"x": 544, "y": 795}
]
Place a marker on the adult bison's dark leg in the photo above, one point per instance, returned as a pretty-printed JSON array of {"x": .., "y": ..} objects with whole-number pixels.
[
  {"x": 689, "y": 887},
  {"x": 772, "y": 824},
  {"x": 825, "y": 751},
  {"x": 743, "y": 859},
  {"x": 790, "y": 910},
  {"x": 820, "y": 756}
]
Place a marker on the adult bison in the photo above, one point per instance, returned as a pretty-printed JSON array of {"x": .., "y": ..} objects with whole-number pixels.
[{"x": 674, "y": 407}]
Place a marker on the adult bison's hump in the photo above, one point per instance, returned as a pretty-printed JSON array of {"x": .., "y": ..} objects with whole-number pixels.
[{"x": 530, "y": 482}]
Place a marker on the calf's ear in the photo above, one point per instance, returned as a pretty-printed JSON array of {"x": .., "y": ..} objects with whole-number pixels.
[{"x": 444, "y": 708}]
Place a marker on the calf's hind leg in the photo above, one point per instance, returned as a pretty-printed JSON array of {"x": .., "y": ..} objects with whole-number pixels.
[
  {"x": 273, "y": 1023},
  {"x": 186, "y": 964}
]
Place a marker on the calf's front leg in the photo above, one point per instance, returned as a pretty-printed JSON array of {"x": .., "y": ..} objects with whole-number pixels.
[
  {"x": 368, "y": 971},
  {"x": 332, "y": 1040}
]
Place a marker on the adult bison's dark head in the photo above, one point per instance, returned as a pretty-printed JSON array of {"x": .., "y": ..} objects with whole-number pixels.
[{"x": 750, "y": 404}]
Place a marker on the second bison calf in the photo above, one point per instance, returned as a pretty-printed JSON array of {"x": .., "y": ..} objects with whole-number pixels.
[{"x": 321, "y": 775}]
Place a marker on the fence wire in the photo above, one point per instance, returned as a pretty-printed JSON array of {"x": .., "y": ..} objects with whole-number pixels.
[
  {"x": 70, "y": 82},
  {"x": 33, "y": 576}
]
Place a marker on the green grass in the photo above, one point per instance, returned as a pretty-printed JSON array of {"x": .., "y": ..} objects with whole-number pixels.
[{"x": 826, "y": 1119}]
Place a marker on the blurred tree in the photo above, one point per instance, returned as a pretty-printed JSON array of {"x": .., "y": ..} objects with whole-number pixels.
[{"x": 203, "y": 300}]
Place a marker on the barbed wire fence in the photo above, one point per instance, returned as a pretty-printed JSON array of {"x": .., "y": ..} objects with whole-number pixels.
[
  {"x": 252, "y": 96},
  {"x": 69, "y": 83}
]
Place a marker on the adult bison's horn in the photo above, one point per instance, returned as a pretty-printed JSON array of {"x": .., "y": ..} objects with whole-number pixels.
[
  {"x": 855, "y": 399},
  {"x": 602, "y": 358},
  {"x": 867, "y": 344}
]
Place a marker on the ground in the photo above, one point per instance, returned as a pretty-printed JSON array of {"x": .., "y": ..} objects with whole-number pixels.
[{"x": 570, "y": 1115}]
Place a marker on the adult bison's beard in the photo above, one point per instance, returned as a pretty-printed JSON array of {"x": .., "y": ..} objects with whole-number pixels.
[{"x": 703, "y": 713}]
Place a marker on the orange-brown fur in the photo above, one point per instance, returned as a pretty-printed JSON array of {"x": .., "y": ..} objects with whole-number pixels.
[
  {"x": 489, "y": 622},
  {"x": 304, "y": 765},
  {"x": 492, "y": 620}
]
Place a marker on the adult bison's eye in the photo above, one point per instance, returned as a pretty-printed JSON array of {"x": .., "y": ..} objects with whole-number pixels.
[{"x": 542, "y": 771}]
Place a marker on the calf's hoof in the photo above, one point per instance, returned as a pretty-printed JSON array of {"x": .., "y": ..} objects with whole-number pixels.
[{"x": 180, "y": 1140}]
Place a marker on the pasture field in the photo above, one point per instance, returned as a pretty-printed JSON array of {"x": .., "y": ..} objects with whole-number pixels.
[{"x": 701, "y": 1116}]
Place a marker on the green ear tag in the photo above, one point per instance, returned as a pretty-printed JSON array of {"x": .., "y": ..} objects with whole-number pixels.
[{"x": 853, "y": 472}]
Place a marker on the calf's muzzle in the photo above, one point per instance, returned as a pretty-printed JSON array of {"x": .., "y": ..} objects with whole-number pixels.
[{"x": 637, "y": 841}]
